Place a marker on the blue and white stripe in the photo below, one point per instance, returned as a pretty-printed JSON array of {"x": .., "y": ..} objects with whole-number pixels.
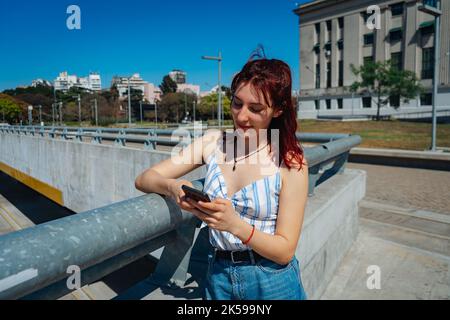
[{"x": 256, "y": 203}]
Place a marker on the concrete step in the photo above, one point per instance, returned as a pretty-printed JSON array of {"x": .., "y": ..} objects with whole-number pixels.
[{"x": 427, "y": 231}]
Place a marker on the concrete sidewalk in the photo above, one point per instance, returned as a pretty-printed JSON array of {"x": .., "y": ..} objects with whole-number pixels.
[{"x": 406, "y": 272}]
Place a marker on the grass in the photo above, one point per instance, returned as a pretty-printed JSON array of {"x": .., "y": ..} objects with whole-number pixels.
[{"x": 384, "y": 134}]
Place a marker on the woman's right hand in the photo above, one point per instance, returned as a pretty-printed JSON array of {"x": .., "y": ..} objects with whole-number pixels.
[{"x": 178, "y": 195}]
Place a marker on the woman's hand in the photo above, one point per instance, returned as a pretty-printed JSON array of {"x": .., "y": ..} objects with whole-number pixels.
[
  {"x": 177, "y": 194},
  {"x": 218, "y": 214}
]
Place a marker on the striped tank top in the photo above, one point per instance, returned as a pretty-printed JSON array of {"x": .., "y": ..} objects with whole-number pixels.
[{"x": 256, "y": 203}]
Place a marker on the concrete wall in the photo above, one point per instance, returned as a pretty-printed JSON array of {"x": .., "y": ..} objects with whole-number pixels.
[{"x": 89, "y": 175}]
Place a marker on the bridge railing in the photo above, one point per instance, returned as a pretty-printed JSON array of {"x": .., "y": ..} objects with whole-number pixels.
[
  {"x": 34, "y": 262},
  {"x": 325, "y": 159}
]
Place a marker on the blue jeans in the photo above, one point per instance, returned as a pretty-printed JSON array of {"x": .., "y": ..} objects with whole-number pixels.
[{"x": 264, "y": 280}]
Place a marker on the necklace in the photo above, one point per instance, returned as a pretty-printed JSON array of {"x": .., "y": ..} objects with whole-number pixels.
[{"x": 245, "y": 157}]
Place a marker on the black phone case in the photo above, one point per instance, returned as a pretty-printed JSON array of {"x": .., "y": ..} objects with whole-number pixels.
[{"x": 195, "y": 194}]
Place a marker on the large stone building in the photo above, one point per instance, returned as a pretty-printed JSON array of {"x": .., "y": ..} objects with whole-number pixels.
[{"x": 334, "y": 34}]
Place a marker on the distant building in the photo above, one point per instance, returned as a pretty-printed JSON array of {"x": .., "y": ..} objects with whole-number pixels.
[
  {"x": 152, "y": 93},
  {"x": 40, "y": 82},
  {"x": 149, "y": 90},
  {"x": 334, "y": 35},
  {"x": 178, "y": 76},
  {"x": 65, "y": 81},
  {"x": 189, "y": 88}
]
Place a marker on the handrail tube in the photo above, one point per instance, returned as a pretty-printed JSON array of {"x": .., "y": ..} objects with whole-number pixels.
[{"x": 84, "y": 239}]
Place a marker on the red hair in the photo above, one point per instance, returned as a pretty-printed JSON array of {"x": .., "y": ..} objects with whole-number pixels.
[{"x": 272, "y": 78}]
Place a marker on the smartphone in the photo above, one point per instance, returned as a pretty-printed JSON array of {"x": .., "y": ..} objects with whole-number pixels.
[{"x": 195, "y": 194}]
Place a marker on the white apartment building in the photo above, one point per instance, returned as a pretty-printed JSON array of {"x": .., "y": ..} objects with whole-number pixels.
[
  {"x": 65, "y": 81},
  {"x": 179, "y": 76},
  {"x": 189, "y": 88},
  {"x": 335, "y": 34},
  {"x": 40, "y": 82},
  {"x": 149, "y": 90}
]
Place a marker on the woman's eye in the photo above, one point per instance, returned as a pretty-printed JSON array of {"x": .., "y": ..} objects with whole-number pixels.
[
  {"x": 237, "y": 104},
  {"x": 255, "y": 110}
]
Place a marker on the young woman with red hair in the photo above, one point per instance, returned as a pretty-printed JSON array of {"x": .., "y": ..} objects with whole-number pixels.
[{"x": 257, "y": 180}]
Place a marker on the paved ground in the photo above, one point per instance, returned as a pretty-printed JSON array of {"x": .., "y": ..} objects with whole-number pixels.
[
  {"x": 407, "y": 187},
  {"x": 404, "y": 234}
]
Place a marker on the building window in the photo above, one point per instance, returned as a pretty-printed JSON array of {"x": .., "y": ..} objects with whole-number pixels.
[
  {"x": 367, "y": 102},
  {"x": 397, "y": 60},
  {"x": 427, "y": 63},
  {"x": 341, "y": 73},
  {"x": 340, "y": 103},
  {"x": 395, "y": 35},
  {"x": 329, "y": 75},
  {"x": 317, "y": 103},
  {"x": 340, "y": 44},
  {"x": 368, "y": 39},
  {"x": 427, "y": 28},
  {"x": 329, "y": 25},
  {"x": 341, "y": 23},
  {"x": 426, "y": 99},
  {"x": 318, "y": 76},
  {"x": 397, "y": 9},
  {"x": 328, "y": 102},
  {"x": 394, "y": 101},
  {"x": 317, "y": 26}
]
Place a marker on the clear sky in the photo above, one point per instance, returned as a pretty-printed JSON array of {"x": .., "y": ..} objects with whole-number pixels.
[{"x": 150, "y": 37}]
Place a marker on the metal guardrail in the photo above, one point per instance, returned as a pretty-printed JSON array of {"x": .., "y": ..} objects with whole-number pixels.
[
  {"x": 102, "y": 239},
  {"x": 324, "y": 160},
  {"x": 34, "y": 261}
]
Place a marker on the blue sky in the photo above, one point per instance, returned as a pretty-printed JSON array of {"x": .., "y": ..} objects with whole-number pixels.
[{"x": 149, "y": 37}]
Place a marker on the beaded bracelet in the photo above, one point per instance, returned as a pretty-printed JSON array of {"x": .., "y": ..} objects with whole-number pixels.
[{"x": 248, "y": 240}]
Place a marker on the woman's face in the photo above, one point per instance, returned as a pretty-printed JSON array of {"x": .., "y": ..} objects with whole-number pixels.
[{"x": 249, "y": 110}]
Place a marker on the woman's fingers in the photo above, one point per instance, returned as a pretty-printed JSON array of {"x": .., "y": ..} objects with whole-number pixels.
[{"x": 199, "y": 207}]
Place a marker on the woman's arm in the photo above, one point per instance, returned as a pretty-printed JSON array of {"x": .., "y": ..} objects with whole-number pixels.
[{"x": 162, "y": 177}]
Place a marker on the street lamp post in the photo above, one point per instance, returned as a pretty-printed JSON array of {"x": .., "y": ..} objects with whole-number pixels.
[
  {"x": 434, "y": 8},
  {"x": 40, "y": 114},
  {"x": 30, "y": 115},
  {"x": 219, "y": 108},
  {"x": 60, "y": 113},
  {"x": 95, "y": 111},
  {"x": 140, "y": 107},
  {"x": 194, "y": 102},
  {"x": 129, "y": 103},
  {"x": 156, "y": 110},
  {"x": 78, "y": 97}
]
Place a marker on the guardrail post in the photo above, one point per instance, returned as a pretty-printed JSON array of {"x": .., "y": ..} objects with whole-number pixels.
[
  {"x": 79, "y": 135},
  {"x": 120, "y": 140}
]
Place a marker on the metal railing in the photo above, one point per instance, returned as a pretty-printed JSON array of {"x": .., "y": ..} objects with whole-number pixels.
[{"x": 34, "y": 261}]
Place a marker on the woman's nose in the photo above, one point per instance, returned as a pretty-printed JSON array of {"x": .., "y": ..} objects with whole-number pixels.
[{"x": 242, "y": 115}]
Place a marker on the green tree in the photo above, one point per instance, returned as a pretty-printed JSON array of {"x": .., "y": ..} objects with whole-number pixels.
[
  {"x": 207, "y": 107},
  {"x": 383, "y": 80},
  {"x": 172, "y": 106},
  {"x": 10, "y": 109},
  {"x": 168, "y": 85}
]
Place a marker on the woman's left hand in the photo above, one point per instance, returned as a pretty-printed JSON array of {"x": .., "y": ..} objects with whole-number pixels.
[{"x": 218, "y": 214}]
